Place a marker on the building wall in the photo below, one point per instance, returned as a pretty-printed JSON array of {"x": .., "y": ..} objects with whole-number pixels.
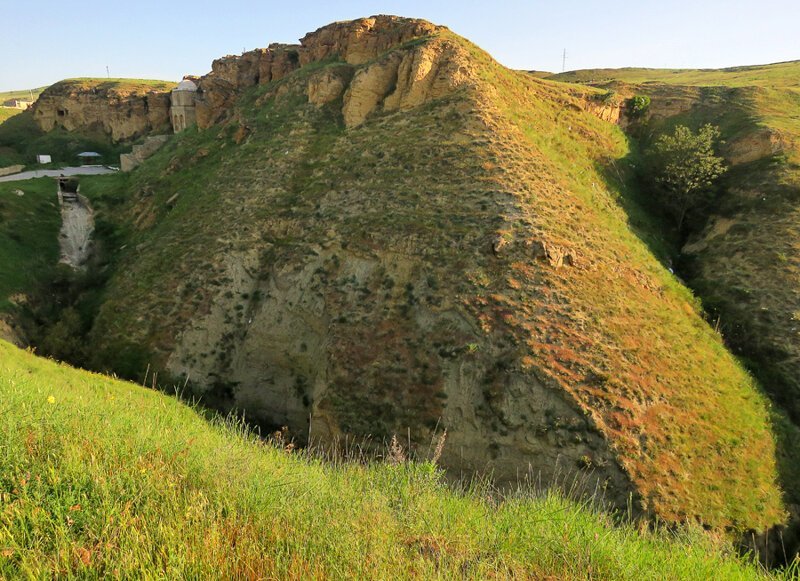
[
  {"x": 182, "y": 111},
  {"x": 17, "y": 104}
]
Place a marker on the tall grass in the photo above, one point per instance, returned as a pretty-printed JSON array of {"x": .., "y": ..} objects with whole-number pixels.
[{"x": 104, "y": 478}]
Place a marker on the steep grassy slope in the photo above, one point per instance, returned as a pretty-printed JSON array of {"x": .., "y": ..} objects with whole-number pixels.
[
  {"x": 102, "y": 478},
  {"x": 7, "y": 113},
  {"x": 741, "y": 256},
  {"x": 29, "y": 225},
  {"x": 424, "y": 237}
]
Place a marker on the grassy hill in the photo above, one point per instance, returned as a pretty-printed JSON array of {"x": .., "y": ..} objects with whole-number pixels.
[
  {"x": 7, "y": 113},
  {"x": 740, "y": 255},
  {"x": 785, "y": 74},
  {"x": 471, "y": 258},
  {"x": 104, "y": 478},
  {"x": 23, "y": 94}
]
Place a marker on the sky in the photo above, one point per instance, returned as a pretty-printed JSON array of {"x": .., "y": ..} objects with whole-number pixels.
[{"x": 45, "y": 41}]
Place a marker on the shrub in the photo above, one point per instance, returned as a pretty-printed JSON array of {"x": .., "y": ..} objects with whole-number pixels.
[
  {"x": 685, "y": 169},
  {"x": 638, "y": 105}
]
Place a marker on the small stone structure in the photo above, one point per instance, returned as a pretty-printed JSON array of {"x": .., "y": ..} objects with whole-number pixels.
[
  {"x": 182, "y": 108},
  {"x": 17, "y": 104},
  {"x": 11, "y": 169},
  {"x": 128, "y": 161}
]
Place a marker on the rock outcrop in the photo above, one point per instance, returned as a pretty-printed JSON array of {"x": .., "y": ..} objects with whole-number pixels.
[
  {"x": 403, "y": 80},
  {"x": 354, "y": 43},
  {"x": 359, "y": 41},
  {"x": 607, "y": 111},
  {"x": 230, "y": 75},
  {"x": 119, "y": 110},
  {"x": 762, "y": 143},
  {"x": 140, "y": 152},
  {"x": 10, "y": 331}
]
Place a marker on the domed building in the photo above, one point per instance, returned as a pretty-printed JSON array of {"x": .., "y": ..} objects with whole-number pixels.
[{"x": 182, "y": 112}]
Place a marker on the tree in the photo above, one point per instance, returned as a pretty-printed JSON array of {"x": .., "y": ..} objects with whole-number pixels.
[
  {"x": 638, "y": 106},
  {"x": 685, "y": 169}
]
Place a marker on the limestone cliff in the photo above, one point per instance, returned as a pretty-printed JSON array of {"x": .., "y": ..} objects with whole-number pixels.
[
  {"x": 354, "y": 43},
  {"x": 121, "y": 110},
  {"x": 391, "y": 80}
]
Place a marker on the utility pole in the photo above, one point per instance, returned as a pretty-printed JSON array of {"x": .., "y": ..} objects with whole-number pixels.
[{"x": 564, "y": 61}]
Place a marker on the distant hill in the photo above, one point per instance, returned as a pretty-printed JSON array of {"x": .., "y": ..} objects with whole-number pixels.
[
  {"x": 8, "y": 112},
  {"x": 116, "y": 109},
  {"x": 23, "y": 94},
  {"x": 785, "y": 74},
  {"x": 115, "y": 86},
  {"x": 104, "y": 114}
]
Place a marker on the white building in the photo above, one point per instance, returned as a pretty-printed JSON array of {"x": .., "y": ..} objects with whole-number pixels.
[{"x": 181, "y": 111}]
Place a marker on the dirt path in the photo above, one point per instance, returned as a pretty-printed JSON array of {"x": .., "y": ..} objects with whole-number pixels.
[{"x": 77, "y": 226}]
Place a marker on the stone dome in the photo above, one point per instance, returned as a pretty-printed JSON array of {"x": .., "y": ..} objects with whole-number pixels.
[{"x": 186, "y": 85}]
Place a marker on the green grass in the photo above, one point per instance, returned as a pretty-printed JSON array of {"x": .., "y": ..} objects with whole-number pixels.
[
  {"x": 128, "y": 86},
  {"x": 785, "y": 74},
  {"x": 104, "y": 478},
  {"x": 7, "y": 113},
  {"x": 23, "y": 94},
  {"x": 29, "y": 227}
]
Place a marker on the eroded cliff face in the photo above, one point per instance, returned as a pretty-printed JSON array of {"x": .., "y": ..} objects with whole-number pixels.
[
  {"x": 341, "y": 343},
  {"x": 396, "y": 80},
  {"x": 114, "y": 109},
  {"x": 10, "y": 331},
  {"x": 353, "y": 43}
]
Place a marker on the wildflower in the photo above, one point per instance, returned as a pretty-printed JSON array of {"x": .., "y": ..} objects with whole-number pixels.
[{"x": 51, "y": 400}]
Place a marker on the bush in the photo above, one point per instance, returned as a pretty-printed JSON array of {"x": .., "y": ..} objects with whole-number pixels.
[
  {"x": 685, "y": 170},
  {"x": 638, "y": 105}
]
